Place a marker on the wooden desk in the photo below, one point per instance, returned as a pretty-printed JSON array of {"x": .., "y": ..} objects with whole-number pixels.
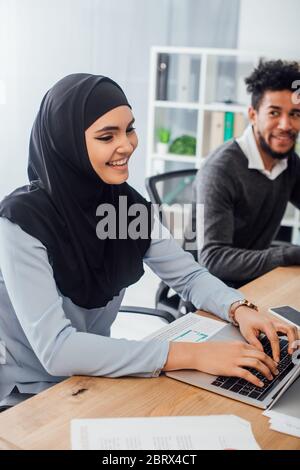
[{"x": 43, "y": 422}]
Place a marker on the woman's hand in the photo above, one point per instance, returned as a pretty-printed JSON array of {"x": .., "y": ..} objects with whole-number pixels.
[
  {"x": 221, "y": 358},
  {"x": 252, "y": 323},
  {"x": 231, "y": 358}
]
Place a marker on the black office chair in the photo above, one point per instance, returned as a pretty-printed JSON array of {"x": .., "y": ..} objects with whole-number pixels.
[
  {"x": 163, "y": 314},
  {"x": 174, "y": 187},
  {"x": 136, "y": 322}
]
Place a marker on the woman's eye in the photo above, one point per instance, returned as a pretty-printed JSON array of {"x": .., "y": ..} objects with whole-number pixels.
[
  {"x": 105, "y": 138},
  {"x": 130, "y": 129}
]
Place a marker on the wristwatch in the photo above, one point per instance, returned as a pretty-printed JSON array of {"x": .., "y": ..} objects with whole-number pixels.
[{"x": 235, "y": 305}]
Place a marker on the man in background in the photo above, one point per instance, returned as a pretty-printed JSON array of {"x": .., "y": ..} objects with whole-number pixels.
[{"x": 246, "y": 184}]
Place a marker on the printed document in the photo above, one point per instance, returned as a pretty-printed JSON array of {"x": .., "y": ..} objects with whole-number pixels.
[
  {"x": 163, "y": 433},
  {"x": 190, "y": 328}
]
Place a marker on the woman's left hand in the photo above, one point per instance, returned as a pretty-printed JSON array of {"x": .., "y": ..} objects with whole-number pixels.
[{"x": 252, "y": 323}]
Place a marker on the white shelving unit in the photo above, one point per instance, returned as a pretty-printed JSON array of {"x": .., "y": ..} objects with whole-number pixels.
[
  {"x": 196, "y": 81},
  {"x": 188, "y": 87}
]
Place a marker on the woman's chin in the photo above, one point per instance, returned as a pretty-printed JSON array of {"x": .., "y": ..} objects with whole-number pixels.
[{"x": 115, "y": 177}]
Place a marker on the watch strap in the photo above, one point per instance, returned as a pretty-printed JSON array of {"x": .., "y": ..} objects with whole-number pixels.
[{"x": 236, "y": 305}]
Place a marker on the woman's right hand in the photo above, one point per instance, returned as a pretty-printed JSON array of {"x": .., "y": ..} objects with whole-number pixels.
[{"x": 222, "y": 358}]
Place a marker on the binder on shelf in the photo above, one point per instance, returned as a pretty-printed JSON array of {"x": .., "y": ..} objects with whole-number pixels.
[
  {"x": 162, "y": 77},
  {"x": 228, "y": 125},
  {"x": 183, "y": 79},
  {"x": 216, "y": 130}
]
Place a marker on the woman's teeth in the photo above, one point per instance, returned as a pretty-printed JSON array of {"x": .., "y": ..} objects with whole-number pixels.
[{"x": 119, "y": 162}]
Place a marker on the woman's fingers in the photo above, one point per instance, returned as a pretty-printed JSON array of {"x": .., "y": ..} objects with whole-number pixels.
[
  {"x": 247, "y": 375},
  {"x": 251, "y": 358},
  {"x": 256, "y": 364},
  {"x": 254, "y": 341},
  {"x": 292, "y": 334},
  {"x": 259, "y": 361},
  {"x": 263, "y": 357},
  {"x": 271, "y": 333}
]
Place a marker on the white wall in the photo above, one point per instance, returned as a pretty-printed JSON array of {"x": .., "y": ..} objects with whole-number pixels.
[
  {"x": 43, "y": 40},
  {"x": 40, "y": 42},
  {"x": 270, "y": 26}
]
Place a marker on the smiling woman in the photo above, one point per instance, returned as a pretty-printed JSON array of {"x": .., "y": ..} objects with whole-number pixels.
[
  {"x": 61, "y": 285},
  {"x": 110, "y": 142}
]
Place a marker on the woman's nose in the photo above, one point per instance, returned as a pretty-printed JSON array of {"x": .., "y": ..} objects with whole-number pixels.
[{"x": 125, "y": 145}]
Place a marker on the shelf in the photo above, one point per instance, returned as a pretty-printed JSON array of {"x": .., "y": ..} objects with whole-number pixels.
[
  {"x": 176, "y": 104},
  {"x": 290, "y": 222},
  {"x": 173, "y": 157},
  {"x": 208, "y": 51},
  {"x": 234, "y": 108}
]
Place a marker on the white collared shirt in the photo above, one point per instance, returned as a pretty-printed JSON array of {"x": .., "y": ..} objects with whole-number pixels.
[{"x": 248, "y": 145}]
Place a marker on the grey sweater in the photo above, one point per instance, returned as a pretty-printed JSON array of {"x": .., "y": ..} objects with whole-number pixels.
[{"x": 242, "y": 214}]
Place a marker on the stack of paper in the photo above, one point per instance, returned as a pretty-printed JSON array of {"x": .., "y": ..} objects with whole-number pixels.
[
  {"x": 171, "y": 433},
  {"x": 285, "y": 413},
  {"x": 286, "y": 424}
]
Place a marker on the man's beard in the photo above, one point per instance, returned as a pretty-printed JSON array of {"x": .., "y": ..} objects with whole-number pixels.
[{"x": 277, "y": 155}]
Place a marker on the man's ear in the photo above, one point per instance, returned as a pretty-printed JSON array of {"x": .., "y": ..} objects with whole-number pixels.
[{"x": 252, "y": 115}]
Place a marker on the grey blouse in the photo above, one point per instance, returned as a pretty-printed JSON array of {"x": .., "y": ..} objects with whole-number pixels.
[{"x": 45, "y": 337}]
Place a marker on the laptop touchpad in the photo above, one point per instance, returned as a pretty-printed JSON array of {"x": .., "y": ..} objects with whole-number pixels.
[{"x": 228, "y": 333}]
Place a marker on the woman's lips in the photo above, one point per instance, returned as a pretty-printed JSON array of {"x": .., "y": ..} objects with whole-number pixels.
[{"x": 118, "y": 164}]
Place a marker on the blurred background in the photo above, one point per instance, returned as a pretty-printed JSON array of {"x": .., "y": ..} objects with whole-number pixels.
[{"x": 43, "y": 40}]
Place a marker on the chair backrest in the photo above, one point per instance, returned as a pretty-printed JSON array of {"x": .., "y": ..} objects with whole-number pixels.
[{"x": 173, "y": 192}]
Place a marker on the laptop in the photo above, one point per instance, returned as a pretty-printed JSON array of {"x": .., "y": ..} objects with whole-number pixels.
[{"x": 195, "y": 328}]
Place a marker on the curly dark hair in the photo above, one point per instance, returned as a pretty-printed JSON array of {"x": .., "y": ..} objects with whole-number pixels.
[{"x": 274, "y": 75}]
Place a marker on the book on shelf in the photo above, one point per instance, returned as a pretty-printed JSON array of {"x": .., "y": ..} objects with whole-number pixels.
[
  {"x": 224, "y": 126},
  {"x": 216, "y": 130},
  {"x": 183, "y": 79},
  {"x": 228, "y": 125},
  {"x": 162, "y": 77}
]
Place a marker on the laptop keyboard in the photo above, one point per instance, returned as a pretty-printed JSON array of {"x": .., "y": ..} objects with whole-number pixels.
[{"x": 245, "y": 388}]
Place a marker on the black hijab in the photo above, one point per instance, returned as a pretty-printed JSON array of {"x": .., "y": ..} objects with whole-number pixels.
[{"x": 59, "y": 205}]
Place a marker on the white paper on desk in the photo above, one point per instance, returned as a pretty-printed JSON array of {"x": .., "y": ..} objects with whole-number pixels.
[
  {"x": 165, "y": 433},
  {"x": 190, "y": 328},
  {"x": 286, "y": 427},
  {"x": 283, "y": 423}
]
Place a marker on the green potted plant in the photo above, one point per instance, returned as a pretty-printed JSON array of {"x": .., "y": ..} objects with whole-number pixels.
[
  {"x": 184, "y": 145},
  {"x": 163, "y": 136}
]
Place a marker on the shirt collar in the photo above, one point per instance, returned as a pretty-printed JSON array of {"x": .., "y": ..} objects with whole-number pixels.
[{"x": 248, "y": 145}]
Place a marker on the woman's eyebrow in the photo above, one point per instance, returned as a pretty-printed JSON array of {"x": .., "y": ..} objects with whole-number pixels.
[{"x": 113, "y": 128}]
